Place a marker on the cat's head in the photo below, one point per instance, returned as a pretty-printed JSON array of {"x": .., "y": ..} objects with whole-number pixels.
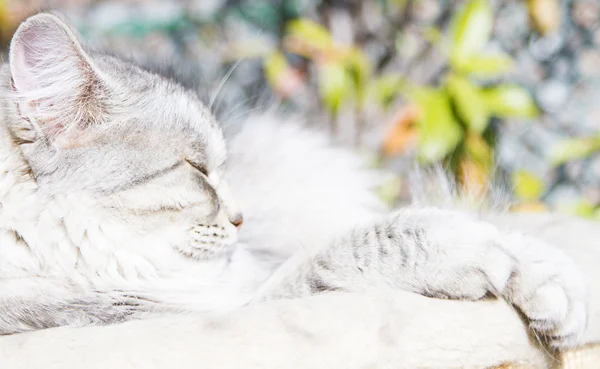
[{"x": 134, "y": 148}]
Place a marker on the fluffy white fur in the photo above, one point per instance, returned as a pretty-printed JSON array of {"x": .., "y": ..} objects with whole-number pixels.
[
  {"x": 164, "y": 243},
  {"x": 383, "y": 329}
]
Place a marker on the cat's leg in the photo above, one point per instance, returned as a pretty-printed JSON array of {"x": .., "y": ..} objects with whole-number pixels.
[
  {"x": 33, "y": 303},
  {"x": 448, "y": 254}
]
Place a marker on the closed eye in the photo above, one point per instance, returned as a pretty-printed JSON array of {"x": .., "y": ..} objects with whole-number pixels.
[
  {"x": 200, "y": 168},
  {"x": 145, "y": 178}
]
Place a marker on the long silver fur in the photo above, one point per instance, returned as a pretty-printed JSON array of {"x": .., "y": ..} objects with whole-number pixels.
[{"x": 119, "y": 197}]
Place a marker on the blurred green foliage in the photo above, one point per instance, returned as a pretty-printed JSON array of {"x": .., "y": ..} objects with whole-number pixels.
[
  {"x": 575, "y": 148},
  {"x": 453, "y": 115},
  {"x": 450, "y": 119}
]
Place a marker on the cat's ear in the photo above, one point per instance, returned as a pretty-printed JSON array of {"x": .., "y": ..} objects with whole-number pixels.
[{"x": 55, "y": 85}]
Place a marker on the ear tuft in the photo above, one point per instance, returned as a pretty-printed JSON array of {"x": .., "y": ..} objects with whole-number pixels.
[{"x": 54, "y": 82}]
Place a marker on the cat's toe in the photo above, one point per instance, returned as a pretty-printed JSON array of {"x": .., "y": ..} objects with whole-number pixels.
[
  {"x": 547, "y": 307},
  {"x": 569, "y": 333},
  {"x": 555, "y": 316},
  {"x": 550, "y": 290}
]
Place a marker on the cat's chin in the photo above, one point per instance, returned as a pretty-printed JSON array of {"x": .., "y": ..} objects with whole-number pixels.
[
  {"x": 209, "y": 242},
  {"x": 211, "y": 252}
]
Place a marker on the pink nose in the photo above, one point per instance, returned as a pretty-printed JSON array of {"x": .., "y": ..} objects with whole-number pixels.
[{"x": 237, "y": 220}]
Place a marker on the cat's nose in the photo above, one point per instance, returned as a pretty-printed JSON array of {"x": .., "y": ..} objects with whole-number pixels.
[{"x": 237, "y": 220}]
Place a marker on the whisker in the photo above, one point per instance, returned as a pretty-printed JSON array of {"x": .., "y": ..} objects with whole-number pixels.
[
  {"x": 222, "y": 84},
  {"x": 244, "y": 113},
  {"x": 225, "y": 116},
  {"x": 538, "y": 338}
]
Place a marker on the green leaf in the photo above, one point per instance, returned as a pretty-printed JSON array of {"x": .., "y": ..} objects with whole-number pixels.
[
  {"x": 471, "y": 30},
  {"x": 384, "y": 89},
  {"x": 575, "y": 148},
  {"x": 596, "y": 215},
  {"x": 335, "y": 85},
  {"x": 310, "y": 33},
  {"x": 527, "y": 186},
  {"x": 470, "y": 106},
  {"x": 360, "y": 69},
  {"x": 487, "y": 66},
  {"x": 439, "y": 132},
  {"x": 479, "y": 151},
  {"x": 582, "y": 208},
  {"x": 433, "y": 35},
  {"x": 275, "y": 65},
  {"x": 510, "y": 101}
]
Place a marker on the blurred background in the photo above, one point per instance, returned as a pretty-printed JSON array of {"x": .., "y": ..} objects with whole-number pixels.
[{"x": 503, "y": 89}]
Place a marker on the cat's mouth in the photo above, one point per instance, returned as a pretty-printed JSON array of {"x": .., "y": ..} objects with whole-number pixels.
[{"x": 210, "y": 241}]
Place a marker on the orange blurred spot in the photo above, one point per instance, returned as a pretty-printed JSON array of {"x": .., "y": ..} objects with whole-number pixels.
[
  {"x": 288, "y": 82},
  {"x": 474, "y": 178},
  {"x": 403, "y": 134},
  {"x": 529, "y": 207}
]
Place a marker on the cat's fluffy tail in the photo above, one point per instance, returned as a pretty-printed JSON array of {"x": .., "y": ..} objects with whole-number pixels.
[{"x": 437, "y": 187}]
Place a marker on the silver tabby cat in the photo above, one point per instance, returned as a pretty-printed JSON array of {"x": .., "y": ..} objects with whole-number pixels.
[{"x": 115, "y": 205}]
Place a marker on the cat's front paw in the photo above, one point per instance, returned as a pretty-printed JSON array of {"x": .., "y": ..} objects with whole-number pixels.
[
  {"x": 549, "y": 289},
  {"x": 458, "y": 256}
]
